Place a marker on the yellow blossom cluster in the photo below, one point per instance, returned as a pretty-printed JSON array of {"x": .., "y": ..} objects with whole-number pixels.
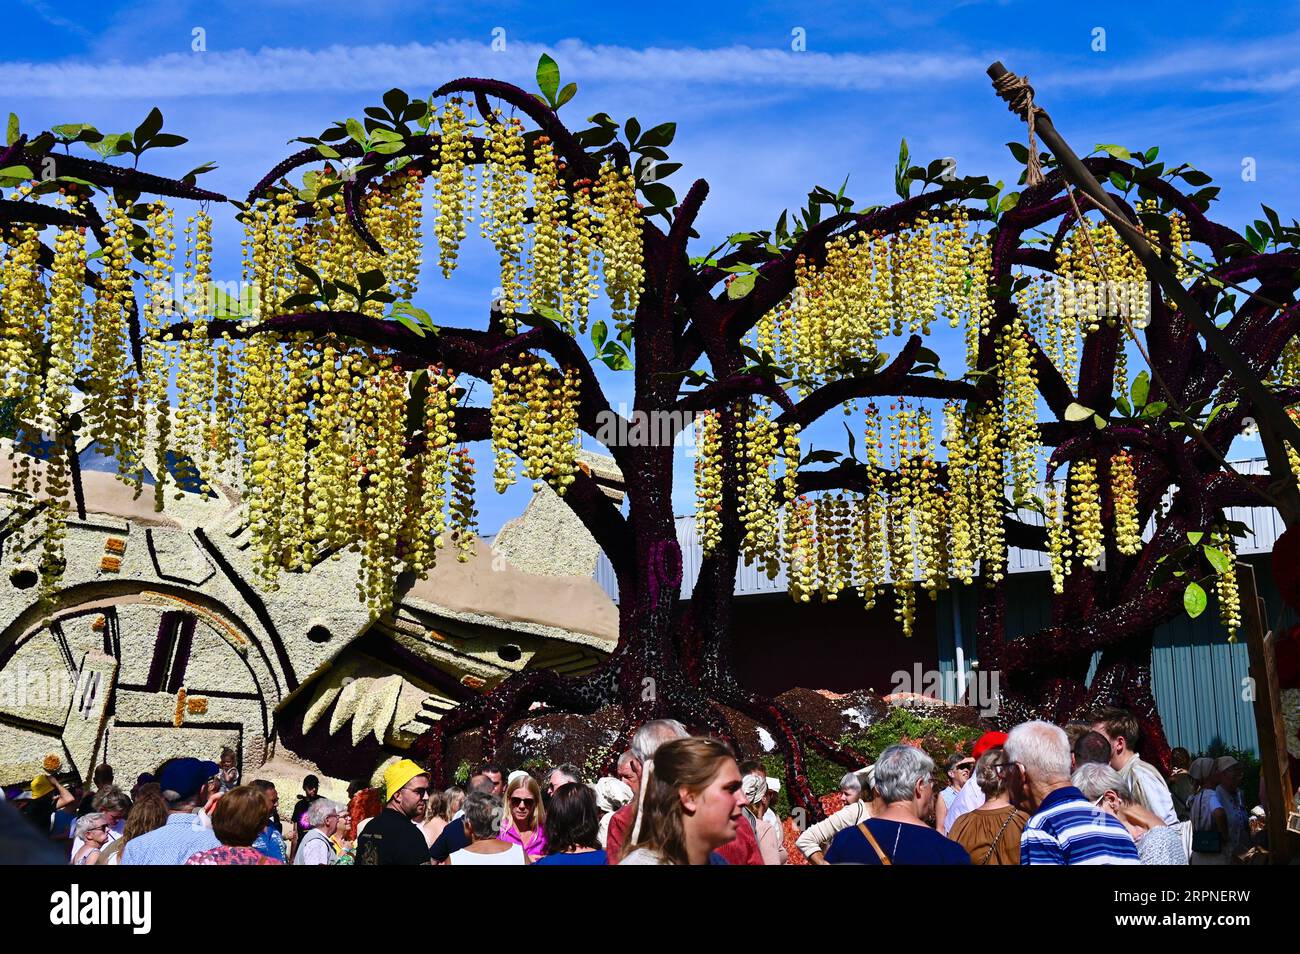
[
  {"x": 872, "y": 285},
  {"x": 534, "y": 417},
  {"x": 1123, "y": 495}
]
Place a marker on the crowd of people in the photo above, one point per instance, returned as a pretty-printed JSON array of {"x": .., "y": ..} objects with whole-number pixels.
[{"x": 1040, "y": 794}]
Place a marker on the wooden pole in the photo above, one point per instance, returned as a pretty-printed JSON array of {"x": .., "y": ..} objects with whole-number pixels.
[
  {"x": 1274, "y": 768},
  {"x": 1276, "y": 428}
]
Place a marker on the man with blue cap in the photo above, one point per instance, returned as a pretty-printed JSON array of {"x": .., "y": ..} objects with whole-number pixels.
[{"x": 186, "y": 785}]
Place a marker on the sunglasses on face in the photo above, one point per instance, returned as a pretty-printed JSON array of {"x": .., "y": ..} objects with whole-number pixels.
[
  {"x": 418, "y": 792},
  {"x": 966, "y": 767},
  {"x": 521, "y": 802}
]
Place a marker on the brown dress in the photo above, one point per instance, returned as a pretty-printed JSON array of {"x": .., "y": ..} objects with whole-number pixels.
[{"x": 976, "y": 830}]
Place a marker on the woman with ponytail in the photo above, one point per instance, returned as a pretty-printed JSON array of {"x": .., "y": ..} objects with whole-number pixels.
[{"x": 689, "y": 805}]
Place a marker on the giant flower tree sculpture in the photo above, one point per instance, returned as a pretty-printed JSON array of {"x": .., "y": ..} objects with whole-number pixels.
[{"x": 340, "y": 407}]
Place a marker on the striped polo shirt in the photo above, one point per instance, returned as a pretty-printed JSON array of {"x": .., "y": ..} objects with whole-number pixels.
[{"x": 1068, "y": 829}]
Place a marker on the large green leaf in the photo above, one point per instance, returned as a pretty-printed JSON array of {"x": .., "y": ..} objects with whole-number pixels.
[
  {"x": 741, "y": 286},
  {"x": 149, "y": 128},
  {"x": 1221, "y": 562},
  {"x": 1077, "y": 412},
  {"x": 661, "y": 135},
  {"x": 1194, "y": 600},
  {"x": 548, "y": 77},
  {"x": 1140, "y": 389}
]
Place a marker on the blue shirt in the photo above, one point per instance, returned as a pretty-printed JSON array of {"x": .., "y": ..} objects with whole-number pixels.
[
  {"x": 271, "y": 843},
  {"x": 576, "y": 858},
  {"x": 902, "y": 844},
  {"x": 1068, "y": 829},
  {"x": 182, "y": 835}
]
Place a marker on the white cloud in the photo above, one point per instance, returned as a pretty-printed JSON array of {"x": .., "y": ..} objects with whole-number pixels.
[{"x": 338, "y": 68}]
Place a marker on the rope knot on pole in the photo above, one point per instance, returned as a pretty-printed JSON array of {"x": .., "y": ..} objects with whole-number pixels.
[{"x": 1020, "y": 99}]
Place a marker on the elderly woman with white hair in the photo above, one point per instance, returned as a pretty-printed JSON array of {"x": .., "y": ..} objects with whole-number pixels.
[
  {"x": 815, "y": 839},
  {"x": 317, "y": 846},
  {"x": 898, "y": 835},
  {"x": 1157, "y": 843},
  {"x": 92, "y": 832}
]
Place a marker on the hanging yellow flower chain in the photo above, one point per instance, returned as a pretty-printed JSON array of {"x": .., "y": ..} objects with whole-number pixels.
[
  {"x": 1123, "y": 490},
  {"x": 621, "y": 246},
  {"x": 1085, "y": 512},
  {"x": 455, "y": 183}
]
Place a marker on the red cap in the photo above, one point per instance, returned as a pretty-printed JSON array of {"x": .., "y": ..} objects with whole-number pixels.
[{"x": 989, "y": 740}]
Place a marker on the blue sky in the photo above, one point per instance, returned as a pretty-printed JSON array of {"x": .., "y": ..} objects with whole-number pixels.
[{"x": 1210, "y": 84}]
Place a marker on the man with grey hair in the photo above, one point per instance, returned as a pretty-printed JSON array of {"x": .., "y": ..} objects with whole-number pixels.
[
  {"x": 562, "y": 774},
  {"x": 316, "y": 848},
  {"x": 1065, "y": 828},
  {"x": 897, "y": 835},
  {"x": 455, "y": 835}
]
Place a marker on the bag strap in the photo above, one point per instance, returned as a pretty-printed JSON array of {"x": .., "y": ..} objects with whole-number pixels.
[
  {"x": 997, "y": 839},
  {"x": 880, "y": 852}
]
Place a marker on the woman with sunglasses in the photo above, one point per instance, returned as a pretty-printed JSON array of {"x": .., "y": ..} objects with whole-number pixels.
[
  {"x": 525, "y": 817},
  {"x": 92, "y": 831},
  {"x": 959, "y": 768}
]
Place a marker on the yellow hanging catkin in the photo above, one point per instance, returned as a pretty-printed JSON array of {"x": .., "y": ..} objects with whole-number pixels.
[
  {"x": 620, "y": 241},
  {"x": 1123, "y": 489},
  {"x": 455, "y": 183},
  {"x": 1085, "y": 511}
]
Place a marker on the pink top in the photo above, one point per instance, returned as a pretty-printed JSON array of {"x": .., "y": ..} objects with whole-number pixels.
[{"x": 534, "y": 846}]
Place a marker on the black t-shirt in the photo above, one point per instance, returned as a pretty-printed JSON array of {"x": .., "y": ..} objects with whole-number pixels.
[
  {"x": 390, "y": 838},
  {"x": 453, "y": 837},
  {"x": 300, "y": 807}
]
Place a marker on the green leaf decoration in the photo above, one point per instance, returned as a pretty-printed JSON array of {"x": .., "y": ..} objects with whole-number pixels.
[
  {"x": 1194, "y": 537},
  {"x": 741, "y": 286},
  {"x": 1140, "y": 388},
  {"x": 411, "y": 323},
  {"x": 548, "y": 78},
  {"x": 661, "y": 135},
  {"x": 1077, "y": 412},
  {"x": 1194, "y": 600},
  {"x": 149, "y": 128},
  {"x": 1221, "y": 562}
]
